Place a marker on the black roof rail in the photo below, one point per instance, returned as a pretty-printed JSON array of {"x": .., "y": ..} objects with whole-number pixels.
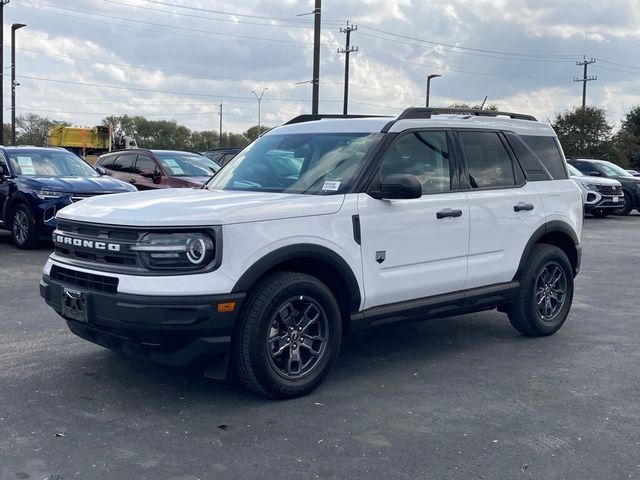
[
  {"x": 422, "y": 112},
  {"x": 308, "y": 117}
]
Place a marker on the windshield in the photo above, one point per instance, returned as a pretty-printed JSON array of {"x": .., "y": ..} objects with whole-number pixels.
[
  {"x": 318, "y": 163},
  {"x": 49, "y": 163},
  {"x": 178, "y": 164},
  {"x": 613, "y": 170},
  {"x": 574, "y": 172}
]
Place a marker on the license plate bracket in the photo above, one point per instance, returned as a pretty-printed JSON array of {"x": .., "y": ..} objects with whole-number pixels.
[{"x": 74, "y": 304}]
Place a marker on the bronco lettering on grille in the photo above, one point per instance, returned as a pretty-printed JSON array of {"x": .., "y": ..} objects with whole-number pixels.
[{"x": 78, "y": 242}]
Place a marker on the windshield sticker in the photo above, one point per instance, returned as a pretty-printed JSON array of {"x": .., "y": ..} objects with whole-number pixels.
[
  {"x": 26, "y": 165},
  {"x": 331, "y": 185},
  {"x": 173, "y": 166}
]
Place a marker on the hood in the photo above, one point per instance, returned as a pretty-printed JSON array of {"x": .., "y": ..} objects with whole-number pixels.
[
  {"x": 102, "y": 184},
  {"x": 609, "y": 182},
  {"x": 189, "y": 207},
  {"x": 199, "y": 181}
]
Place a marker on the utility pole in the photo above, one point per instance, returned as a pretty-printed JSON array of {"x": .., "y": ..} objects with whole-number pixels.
[
  {"x": 14, "y": 84},
  {"x": 2, "y": 4},
  {"x": 220, "y": 131},
  {"x": 259, "y": 98},
  {"x": 316, "y": 58},
  {"x": 429, "y": 88},
  {"x": 347, "y": 50},
  {"x": 585, "y": 78}
]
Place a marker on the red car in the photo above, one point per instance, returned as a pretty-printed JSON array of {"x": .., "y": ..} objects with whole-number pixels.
[{"x": 151, "y": 169}]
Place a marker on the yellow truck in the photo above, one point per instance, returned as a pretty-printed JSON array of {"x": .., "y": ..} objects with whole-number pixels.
[{"x": 89, "y": 141}]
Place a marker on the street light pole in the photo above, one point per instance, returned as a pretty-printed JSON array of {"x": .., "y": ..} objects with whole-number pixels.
[
  {"x": 14, "y": 27},
  {"x": 429, "y": 87},
  {"x": 2, "y": 4},
  {"x": 259, "y": 98}
]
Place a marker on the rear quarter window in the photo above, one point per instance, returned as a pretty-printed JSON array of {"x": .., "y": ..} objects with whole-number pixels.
[{"x": 546, "y": 148}]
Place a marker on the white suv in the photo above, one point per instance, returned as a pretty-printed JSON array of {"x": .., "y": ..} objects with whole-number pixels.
[{"x": 322, "y": 226}]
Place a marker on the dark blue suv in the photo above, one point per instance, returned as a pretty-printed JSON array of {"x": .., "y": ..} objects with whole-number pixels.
[{"x": 37, "y": 182}]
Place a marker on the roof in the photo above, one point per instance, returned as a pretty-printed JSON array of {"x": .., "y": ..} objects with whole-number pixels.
[
  {"x": 31, "y": 147},
  {"x": 334, "y": 124}
]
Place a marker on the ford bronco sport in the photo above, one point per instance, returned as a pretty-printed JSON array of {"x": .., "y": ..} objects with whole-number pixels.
[{"x": 320, "y": 227}]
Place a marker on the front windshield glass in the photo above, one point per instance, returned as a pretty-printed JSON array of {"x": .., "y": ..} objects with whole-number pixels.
[
  {"x": 49, "y": 163},
  {"x": 613, "y": 170},
  {"x": 184, "y": 164},
  {"x": 318, "y": 163},
  {"x": 574, "y": 172}
]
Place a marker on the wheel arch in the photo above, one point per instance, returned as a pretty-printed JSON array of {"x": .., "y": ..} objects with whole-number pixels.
[
  {"x": 555, "y": 233},
  {"x": 15, "y": 200},
  {"x": 321, "y": 262}
]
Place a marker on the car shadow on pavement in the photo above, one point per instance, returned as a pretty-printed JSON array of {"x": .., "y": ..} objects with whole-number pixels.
[{"x": 373, "y": 356}]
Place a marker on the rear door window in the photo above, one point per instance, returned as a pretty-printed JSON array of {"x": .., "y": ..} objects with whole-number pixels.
[
  {"x": 488, "y": 162},
  {"x": 546, "y": 148},
  {"x": 107, "y": 162},
  {"x": 124, "y": 163}
]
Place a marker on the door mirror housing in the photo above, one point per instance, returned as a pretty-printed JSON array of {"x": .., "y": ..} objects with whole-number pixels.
[
  {"x": 399, "y": 186},
  {"x": 155, "y": 175},
  {"x": 101, "y": 170}
]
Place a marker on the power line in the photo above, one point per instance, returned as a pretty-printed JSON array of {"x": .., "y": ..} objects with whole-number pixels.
[
  {"x": 200, "y": 16},
  {"x": 565, "y": 57},
  {"x": 164, "y": 25},
  {"x": 140, "y": 67}
]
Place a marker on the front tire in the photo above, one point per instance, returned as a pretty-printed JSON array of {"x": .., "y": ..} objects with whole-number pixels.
[
  {"x": 23, "y": 231},
  {"x": 288, "y": 336},
  {"x": 626, "y": 210},
  {"x": 546, "y": 292}
]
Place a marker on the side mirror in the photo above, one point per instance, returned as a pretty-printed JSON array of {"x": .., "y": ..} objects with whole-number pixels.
[
  {"x": 595, "y": 174},
  {"x": 155, "y": 176},
  {"x": 4, "y": 172},
  {"x": 399, "y": 186},
  {"x": 101, "y": 170}
]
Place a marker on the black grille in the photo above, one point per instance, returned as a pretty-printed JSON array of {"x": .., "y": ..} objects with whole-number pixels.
[
  {"x": 96, "y": 233},
  {"x": 98, "y": 283},
  {"x": 607, "y": 190}
]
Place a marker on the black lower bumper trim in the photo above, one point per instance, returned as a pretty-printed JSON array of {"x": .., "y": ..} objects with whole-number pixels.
[{"x": 176, "y": 330}]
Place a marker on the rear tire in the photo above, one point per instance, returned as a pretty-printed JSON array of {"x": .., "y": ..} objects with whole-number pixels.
[
  {"x": 288, "y": 335},
  {"x": 546, "y": 292},
  {"x": 23, "y": 230}
]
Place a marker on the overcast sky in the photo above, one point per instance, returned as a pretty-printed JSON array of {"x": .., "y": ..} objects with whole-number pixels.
[{"x": 80, "y": 60}]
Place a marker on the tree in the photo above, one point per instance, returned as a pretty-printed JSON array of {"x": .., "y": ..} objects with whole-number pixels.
[
  {"x": 33, "y": 129},
  {"x": 6, "y": 132},
  {"x": 585, "y": 133},
  {"x": 627, "y": 140},
  {"x": 253, "y": 132},
  {"x": 205, "y": 140},
  {"x": 492, "y": 107}
]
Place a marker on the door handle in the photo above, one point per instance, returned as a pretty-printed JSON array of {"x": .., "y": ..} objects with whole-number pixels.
[
  {"x": 520, "y": 207},
  {"x": 447, "y": 212},
  {"x": 132, "y": 180}
]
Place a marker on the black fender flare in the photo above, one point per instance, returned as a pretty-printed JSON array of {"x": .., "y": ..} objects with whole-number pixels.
[
  {"x": 301, "y": 251},
  {"x": 549, "y": 227}
]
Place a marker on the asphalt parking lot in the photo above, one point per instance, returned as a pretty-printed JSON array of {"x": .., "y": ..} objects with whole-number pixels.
[{"x": 459, "y": 398}]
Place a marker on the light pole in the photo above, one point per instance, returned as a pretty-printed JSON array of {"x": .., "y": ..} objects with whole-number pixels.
[
  {"x": 429, "y": 86},
  {"x": 2, "y": 4},
  {"x": 14, "y": 27},
  {"x": 259, "y": 98}
]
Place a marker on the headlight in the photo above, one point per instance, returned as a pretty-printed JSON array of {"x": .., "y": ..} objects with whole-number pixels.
[
  {"x": 175, "y": 251},
  {"x": 49, "y": 195},
  {"x": 590, "y": 186}
]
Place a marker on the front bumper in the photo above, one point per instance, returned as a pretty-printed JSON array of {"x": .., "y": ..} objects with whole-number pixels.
[
  {"x": 605, "y": 202},
  {"x": 178, "y": 330}
]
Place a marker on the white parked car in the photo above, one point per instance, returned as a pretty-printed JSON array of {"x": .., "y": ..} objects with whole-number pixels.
[
  {"x": 322, "y": 226},
  {"x": 602, "y": 196}
]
